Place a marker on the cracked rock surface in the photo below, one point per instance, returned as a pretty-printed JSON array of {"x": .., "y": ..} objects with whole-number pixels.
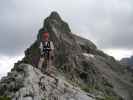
[{"x": 38, "y": 86}]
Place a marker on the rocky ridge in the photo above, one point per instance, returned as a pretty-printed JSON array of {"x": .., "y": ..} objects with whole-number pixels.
[{"x": 83, "y": 71}]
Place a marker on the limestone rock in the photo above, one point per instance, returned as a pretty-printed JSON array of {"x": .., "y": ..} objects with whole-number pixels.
[
  {"x": 83, "y": 71},
  {"x": 38, "y": 86}
]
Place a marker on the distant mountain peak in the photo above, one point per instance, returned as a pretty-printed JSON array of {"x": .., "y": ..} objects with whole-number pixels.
[
  {"x": 55, "y": 15},
  {"x": 54, "y": 25}
]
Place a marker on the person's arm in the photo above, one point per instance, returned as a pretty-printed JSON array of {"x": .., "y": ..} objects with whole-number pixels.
[
  {"x": 41, "y": 48},
  {"x": 51, "y": 45},
  {"x": 52, "y": 50}
]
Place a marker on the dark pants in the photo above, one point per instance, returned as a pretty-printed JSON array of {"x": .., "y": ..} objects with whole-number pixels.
[{"x": 45, "y": 59}]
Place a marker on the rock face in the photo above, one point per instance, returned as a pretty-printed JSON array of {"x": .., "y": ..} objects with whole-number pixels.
[
  {"x": 38, "y": 86},
  {"x": 128, "y": 62},
  {"x": 82, "y": 70}
]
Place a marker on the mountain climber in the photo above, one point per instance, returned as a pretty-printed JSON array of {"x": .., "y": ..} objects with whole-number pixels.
[{"x": 46, "y": 50}]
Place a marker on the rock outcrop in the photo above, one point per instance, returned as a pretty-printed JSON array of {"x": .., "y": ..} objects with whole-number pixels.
[
  {"x": 83, "y": 71},
  {"x": 128, "y": 62},
  {"x": 29, "y": 83}
]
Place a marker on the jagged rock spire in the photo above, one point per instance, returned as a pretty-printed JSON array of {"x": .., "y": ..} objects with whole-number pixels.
[
  {"x": 55, "y": 15},
  {"x": 54, "y": 24}
]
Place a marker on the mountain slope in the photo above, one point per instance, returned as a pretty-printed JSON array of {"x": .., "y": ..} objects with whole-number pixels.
[
  {"x": 128, "y": 62},
  {"x": 37, "y": 86},
  {"x": 78, "y": 62}
]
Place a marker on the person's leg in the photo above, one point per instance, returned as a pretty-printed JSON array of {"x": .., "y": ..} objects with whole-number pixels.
[
  {"x": 40, "y": 62},
  {"x": 50, "y": 58},
  {"x": 48, "y": 63},
  {"x": 47, "y": 66}
]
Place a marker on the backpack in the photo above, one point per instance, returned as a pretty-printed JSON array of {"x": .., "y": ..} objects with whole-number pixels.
[{"x": 46, "y": 47}]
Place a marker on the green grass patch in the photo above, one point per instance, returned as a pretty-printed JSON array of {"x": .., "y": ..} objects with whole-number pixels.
[
  {"x": 5, "y": 98},
  {"x": 88, "y": 88}
]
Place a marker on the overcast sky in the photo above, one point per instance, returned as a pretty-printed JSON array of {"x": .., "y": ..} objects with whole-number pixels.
[{"x": 108, "y": 23}]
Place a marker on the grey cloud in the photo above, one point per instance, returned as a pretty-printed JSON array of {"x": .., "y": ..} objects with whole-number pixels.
[{"x": 108, "y": 23}]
